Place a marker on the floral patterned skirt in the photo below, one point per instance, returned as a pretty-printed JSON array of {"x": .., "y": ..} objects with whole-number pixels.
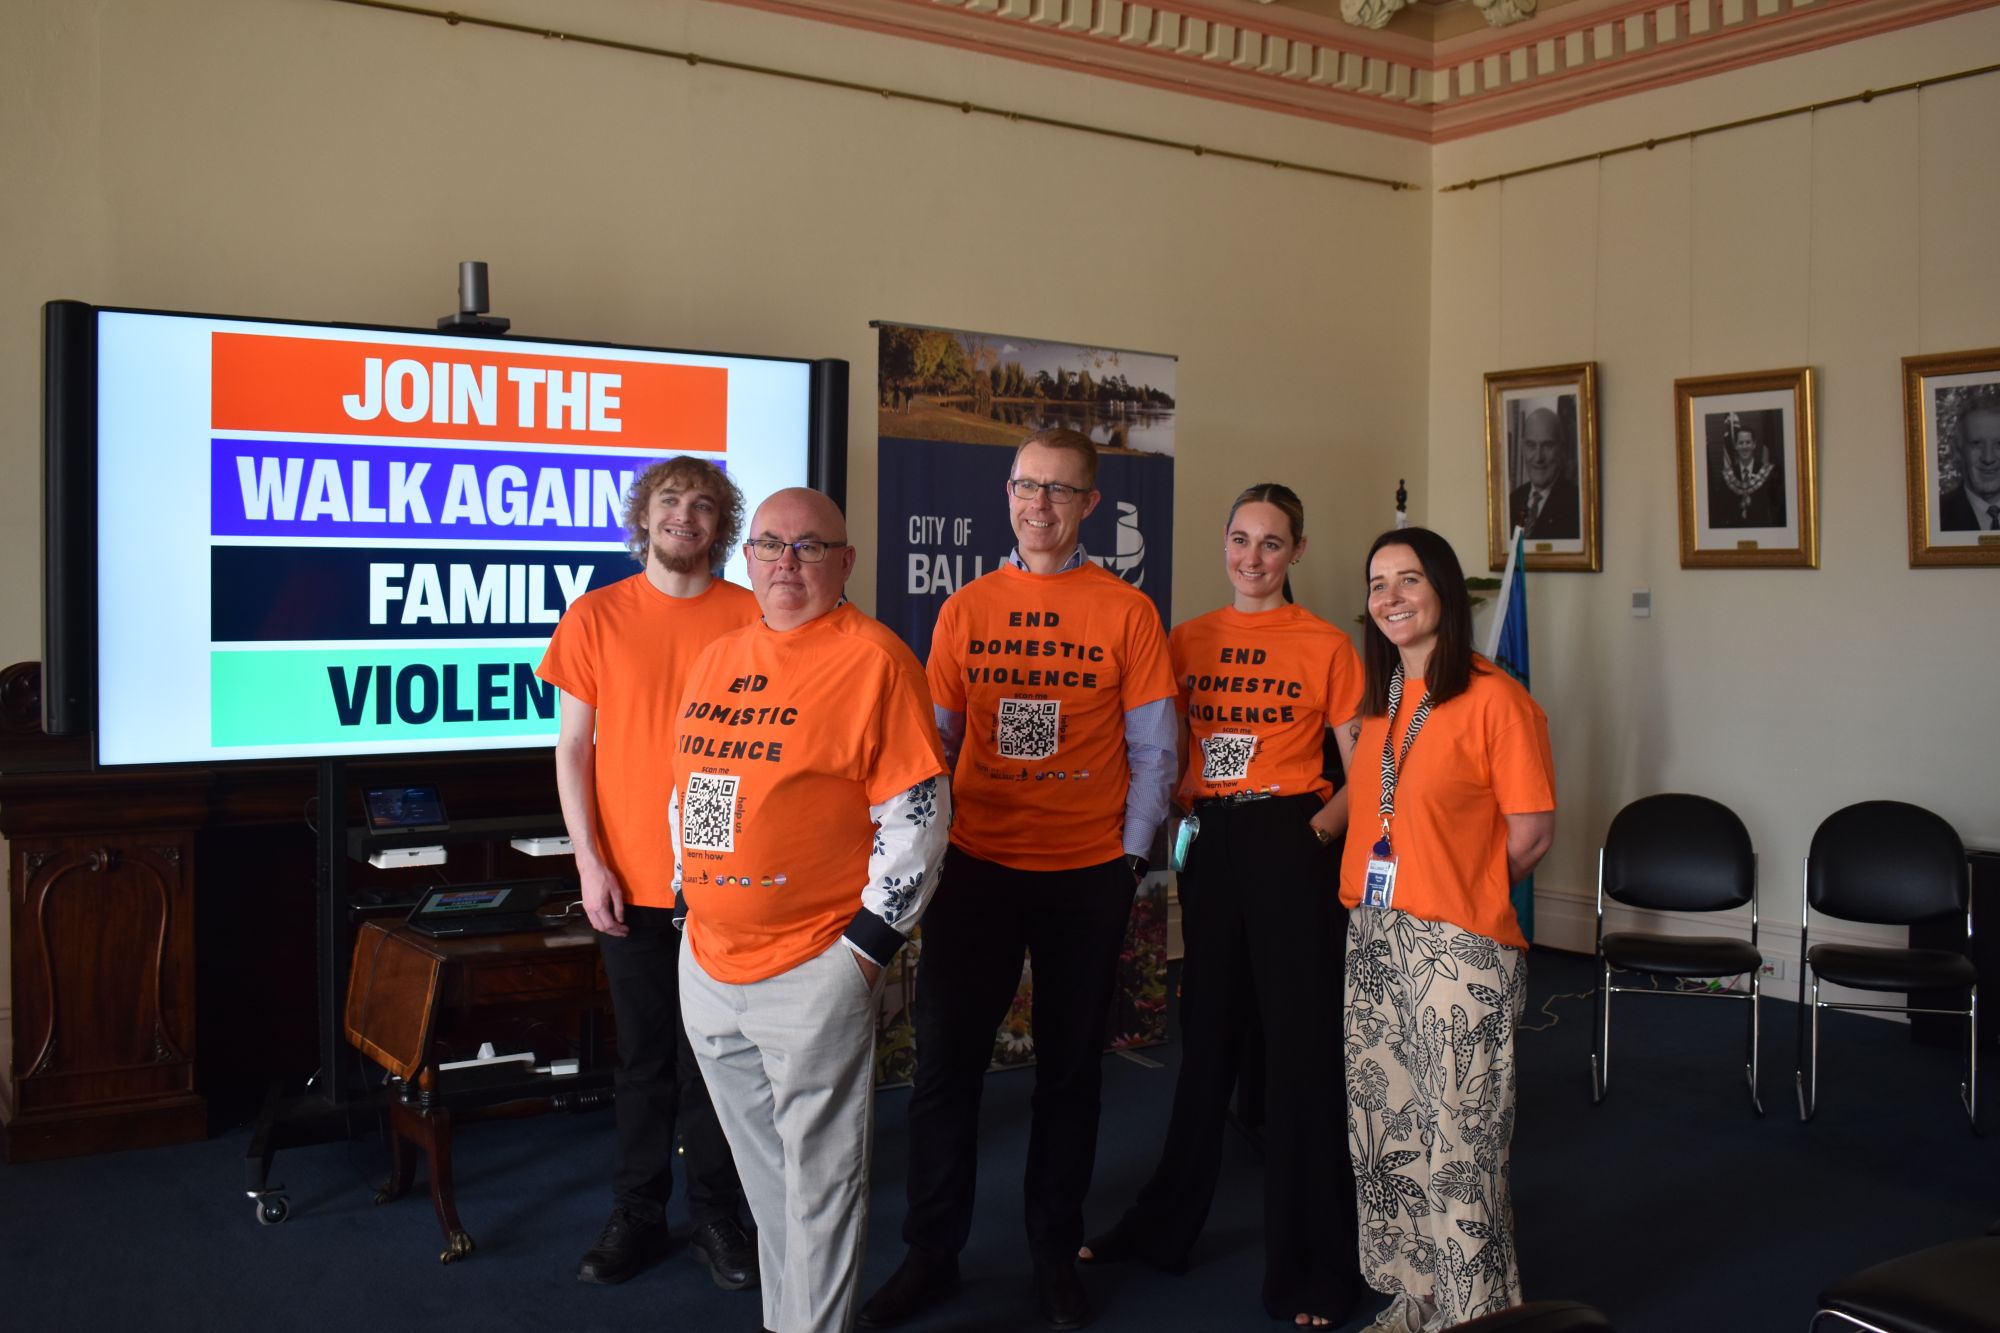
[{"x": 1429, "y": 1036}]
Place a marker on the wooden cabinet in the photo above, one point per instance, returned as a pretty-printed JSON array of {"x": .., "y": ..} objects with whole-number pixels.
[
  {"x": 147, "y": 903},
  {"x": 103, "y": 992}
]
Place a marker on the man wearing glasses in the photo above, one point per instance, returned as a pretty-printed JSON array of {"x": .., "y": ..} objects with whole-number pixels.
[
  {"x": 1054, "y": 694},
  {"x": 808, "y": 816},
  {"x": 620, "y": 656}
]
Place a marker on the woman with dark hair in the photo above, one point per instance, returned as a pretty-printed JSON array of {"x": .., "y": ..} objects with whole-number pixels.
[
  {"x": 1261, "y": 682},
  {"x": 1464, "y": 808}
]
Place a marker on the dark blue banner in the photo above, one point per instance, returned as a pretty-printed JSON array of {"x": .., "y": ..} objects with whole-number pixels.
[
  {"x": 293, "y": 593},
  {"x": 943, "y": 522}
]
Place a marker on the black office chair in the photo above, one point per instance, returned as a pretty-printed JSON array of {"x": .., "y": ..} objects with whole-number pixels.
[
  {"x": 1886, "y": 863},
  {"x": 1540, "y": 1317},
  {"x": 1675, "y": 853},
  {"x": 1949, "y": 1288}
]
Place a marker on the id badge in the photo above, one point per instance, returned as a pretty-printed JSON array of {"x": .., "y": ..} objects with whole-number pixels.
[
  {"x": 1185, "y": 830},
  {"x": 1379, "y": 888}
]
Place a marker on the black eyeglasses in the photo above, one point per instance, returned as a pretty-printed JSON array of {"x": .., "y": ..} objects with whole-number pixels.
[
  {"x": 1059, "y": 493},
  {"x": 808, "y": 550}
]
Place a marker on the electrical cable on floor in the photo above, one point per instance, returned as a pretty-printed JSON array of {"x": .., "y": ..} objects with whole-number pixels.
[
  {"x": 1553, "y": 1017},
  {"x": 1652, "y": 982}
]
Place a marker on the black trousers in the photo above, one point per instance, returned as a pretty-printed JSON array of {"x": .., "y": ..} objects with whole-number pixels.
[
  {"x": 658, "y": 1087},
  {"x": 1071, "y": 924},
  {"x": 1262, "y": 927}
]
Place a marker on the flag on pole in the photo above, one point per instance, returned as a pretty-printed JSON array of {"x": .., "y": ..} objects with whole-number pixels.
[{"x": 1507, "y": 647}]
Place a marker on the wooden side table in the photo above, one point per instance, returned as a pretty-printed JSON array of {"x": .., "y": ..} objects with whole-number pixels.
[{"x": 414, "y": 1003}]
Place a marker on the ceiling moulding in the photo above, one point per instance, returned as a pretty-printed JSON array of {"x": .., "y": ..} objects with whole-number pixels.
[
  {"x": 1373, "y": 14},
  {"x": 1187, "y": 49},
  {"x": 1652, "y": 45},
  {"x": 1299, "y": 57}
]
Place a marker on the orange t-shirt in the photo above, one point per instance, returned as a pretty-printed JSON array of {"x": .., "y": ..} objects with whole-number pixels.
[
  {"x": 786, "y": 739},
  {"x": 625, "y": 649},
  {"x": 1481, "y": 756},
  {"x": 1044, "y": 667},
  {"x": 1259, "y": 691}
]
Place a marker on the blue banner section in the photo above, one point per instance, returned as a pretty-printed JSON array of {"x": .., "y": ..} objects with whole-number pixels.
[
  {"x": 1511, "y": 653},
  {"x": 291, "y": 593},
  {"x": 943, "y": 522},
  {"x": 312, "y": 488}
]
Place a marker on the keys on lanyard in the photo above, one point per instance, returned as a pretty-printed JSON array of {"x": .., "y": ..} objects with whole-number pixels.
[{"x": 1379, "y": 887}]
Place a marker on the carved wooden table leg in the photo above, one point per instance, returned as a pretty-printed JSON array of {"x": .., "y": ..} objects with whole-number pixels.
[
  {"x": 431, "y": 1130},
  {"x": 443, "y": 1198},
  {"x": 402, "y": 1161}
]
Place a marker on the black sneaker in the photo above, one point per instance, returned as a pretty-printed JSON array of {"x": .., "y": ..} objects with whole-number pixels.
[
  {"x": 1060, "y": 1294},
  {"x": 920, "y": 1282},
  {"x": 627, "y": 1245},
  {"x": 729, "y": 1255}
]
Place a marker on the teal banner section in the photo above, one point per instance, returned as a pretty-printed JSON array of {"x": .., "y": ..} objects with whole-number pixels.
[{"x": 341, "y": 696}]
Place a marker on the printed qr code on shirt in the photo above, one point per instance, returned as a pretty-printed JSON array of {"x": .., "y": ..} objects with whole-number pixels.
[
  {"x": 1225, "y": 756},
  {"x": 1028, "y": 727},
  {"x": 708, "y": 813}
]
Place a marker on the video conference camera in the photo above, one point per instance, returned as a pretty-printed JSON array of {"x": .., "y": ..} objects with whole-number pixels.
[{"x": 473, "y": 304}]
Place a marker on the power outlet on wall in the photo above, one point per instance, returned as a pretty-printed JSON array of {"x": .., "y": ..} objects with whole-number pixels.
[{"x": 1773, "y": 969}]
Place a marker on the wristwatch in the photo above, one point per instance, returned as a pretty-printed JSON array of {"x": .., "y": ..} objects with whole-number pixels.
[
  {"x": 1325, "y": 838},
  {"x": 1139, "y": 864}
]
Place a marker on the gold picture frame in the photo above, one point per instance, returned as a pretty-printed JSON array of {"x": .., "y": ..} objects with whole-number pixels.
[
  {"x": 1532, "y": 415},
  {"x": 1951, "y": 427},
  {"x": 1749, "y": 471}
]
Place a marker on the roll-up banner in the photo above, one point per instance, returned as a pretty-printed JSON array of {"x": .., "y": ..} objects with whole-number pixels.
[{"x": 951, "y": 407}]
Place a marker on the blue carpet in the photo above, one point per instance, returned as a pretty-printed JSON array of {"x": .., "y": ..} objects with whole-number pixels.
[{"x": 1671, "y": 1206}]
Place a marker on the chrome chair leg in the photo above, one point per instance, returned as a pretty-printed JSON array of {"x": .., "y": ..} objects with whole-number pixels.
[
  {"x": 1756, "y": 1024},
  {"x": 1600, "y": 1055},
  {"x": 1806, "y": 1011},
  {"x": 1809, "y": 1075},
  {"x": 1969, "y": 1094},
  {"x": 1805, "y": 967},
  {"x": 1847, "y": 1321}
]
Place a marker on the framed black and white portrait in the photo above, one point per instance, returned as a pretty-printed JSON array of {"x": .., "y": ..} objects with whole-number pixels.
[
  {"x": 1541, "y": 466},
  {"x": 1951, "y": 443},
  {"x": 1749, "y": 491}
]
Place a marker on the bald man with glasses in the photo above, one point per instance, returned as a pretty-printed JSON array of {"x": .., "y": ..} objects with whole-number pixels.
[
  {"x": 1054, "y": 695},
  {"x": 808, "y": 816}
]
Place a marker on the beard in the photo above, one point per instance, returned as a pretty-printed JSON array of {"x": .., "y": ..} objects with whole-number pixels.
[{"x": 679, "y": 564}]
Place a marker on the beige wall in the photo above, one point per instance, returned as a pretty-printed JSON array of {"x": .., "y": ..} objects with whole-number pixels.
[
  {"x": 295, "y": 158},
  {"x": 1844, "y": 241},
  {"x": 312, "y": 160},
  {"x": 307, "y": 159}
]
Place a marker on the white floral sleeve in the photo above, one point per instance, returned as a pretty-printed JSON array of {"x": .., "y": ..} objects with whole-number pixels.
[{"x": 911, "y": 831}]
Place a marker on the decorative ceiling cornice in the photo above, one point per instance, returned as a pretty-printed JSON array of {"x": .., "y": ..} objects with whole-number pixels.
[
  {"x": 1378, "y": 13},
  {"x": 1292, "y": 58}
]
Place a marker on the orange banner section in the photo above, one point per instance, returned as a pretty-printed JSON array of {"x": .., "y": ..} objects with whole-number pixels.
[{"x": 324, "y": 386}]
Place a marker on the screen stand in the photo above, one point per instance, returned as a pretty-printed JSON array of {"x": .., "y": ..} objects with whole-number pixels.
[
  {"x": 331, "y": 956},
  {"x": 324, "y": 1111}
]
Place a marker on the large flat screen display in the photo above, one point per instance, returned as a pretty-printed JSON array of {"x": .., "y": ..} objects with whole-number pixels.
[{"x": 324, "y": 541}]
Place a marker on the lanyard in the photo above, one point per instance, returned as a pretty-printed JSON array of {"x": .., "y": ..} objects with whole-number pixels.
[{"x": 1393, "y": 763}]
